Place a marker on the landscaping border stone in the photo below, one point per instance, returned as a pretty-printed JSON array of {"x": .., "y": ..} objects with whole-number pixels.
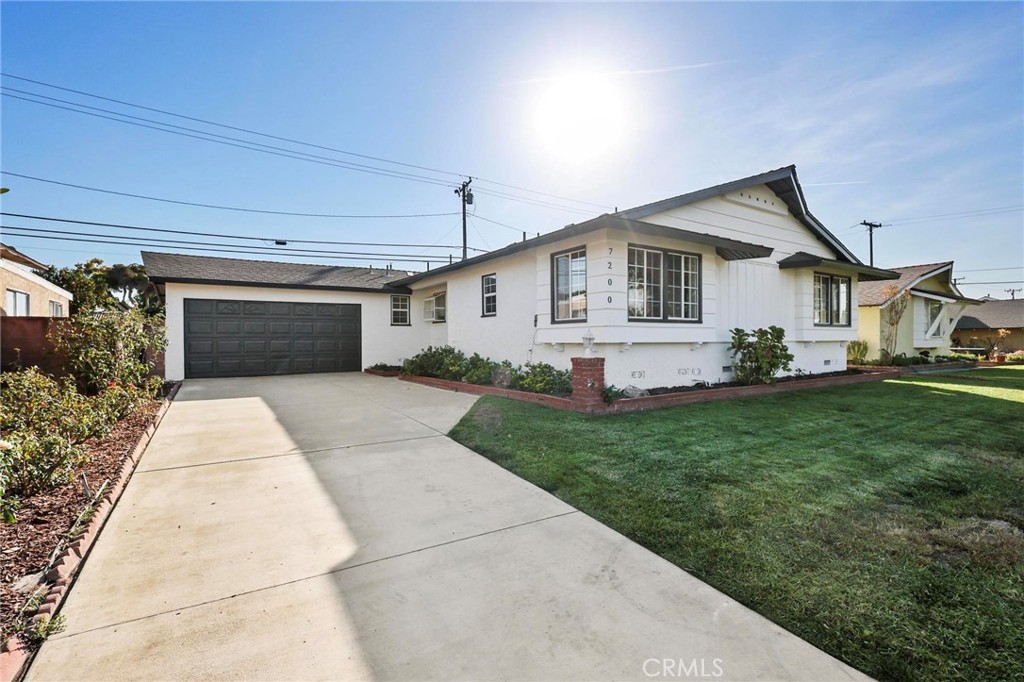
[
  {"x": 626, "y": 405},
  {"x": 14, "y": 654},
  {"x": 382, "y": 372}
]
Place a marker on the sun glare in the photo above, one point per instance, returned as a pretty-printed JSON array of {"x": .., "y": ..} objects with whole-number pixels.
[{"x": 579, "y": 117}]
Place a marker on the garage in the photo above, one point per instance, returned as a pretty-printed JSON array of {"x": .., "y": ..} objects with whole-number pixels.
[{"x": 231, "y": 338}]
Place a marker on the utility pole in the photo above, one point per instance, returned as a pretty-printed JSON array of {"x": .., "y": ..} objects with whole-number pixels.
[
  {"x": 1013, "y": 293},
  {"x": 467, "y": 200},
  {"x": 871, "y": 237}
]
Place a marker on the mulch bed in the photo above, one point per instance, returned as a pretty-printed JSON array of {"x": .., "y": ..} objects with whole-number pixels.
[
  {"x": 45, "y": 519},
  {"x": 666, "y": 390}
]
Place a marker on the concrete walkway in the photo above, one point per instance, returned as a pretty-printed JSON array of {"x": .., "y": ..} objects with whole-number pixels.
[{"x": 323, "y": 527}]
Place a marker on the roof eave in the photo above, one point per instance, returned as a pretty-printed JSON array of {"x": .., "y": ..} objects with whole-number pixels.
[
  {"x": 389, "y": 289},
  {"x": 865, "y": 273}
]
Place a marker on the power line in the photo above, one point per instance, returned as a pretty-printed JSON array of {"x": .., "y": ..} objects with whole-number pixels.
[
  {"x": 407, "y": 258},
  {"x": 1018, "y": 267},
  {"x": 299, "y": 142},
  {"x": 962, "y": 214},
  {"x": 269, "y": 249},
  {"x": 1012, "y": 281},
  {"x": 495, "y": 222},
  {"x": 226, "y": 208},
  {"x": 221, "y": 235}
]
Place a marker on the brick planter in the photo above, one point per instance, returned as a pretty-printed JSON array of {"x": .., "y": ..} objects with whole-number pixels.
[
  {"x": 914, "y": 369},
  {"x": 14, "y": 656},
  {"x": 382, "y": 372},
  {"x": 588, "y": 383}
]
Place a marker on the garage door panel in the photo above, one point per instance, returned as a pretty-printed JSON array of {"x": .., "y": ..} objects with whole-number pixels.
[{"x": 250, "y": 338}]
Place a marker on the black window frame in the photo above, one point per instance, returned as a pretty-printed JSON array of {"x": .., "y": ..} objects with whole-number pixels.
[
  {"x": 484, "y": 295},
  {"x": 554, "y": 286},
  {"x": 408, "y": 310},
  {"x": 663, "y": 284},
  {"x": 828, "y": 297}
]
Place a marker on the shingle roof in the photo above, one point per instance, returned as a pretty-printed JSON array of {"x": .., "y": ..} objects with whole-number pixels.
[
  {"x": 176, "y": 267},
  {"x": 873, "y": 293},
  {"x": 994, "y": 315},
  {"x": 12, "y": 254}
]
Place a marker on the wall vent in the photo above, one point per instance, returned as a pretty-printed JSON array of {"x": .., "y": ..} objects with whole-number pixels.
[
  {"x": 828, "y": 362},
  {"x": 727, "y": 368}
]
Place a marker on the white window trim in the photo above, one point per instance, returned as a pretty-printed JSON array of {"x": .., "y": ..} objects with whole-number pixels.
[
  {"x": 28, "y": 302},
  {"x": 407, "y": 310},
  {"x": 59, "y": 306},
  {"x": 580, "y": 253},
  {"x": 663, "y": 285},
  {"x": 828, "y": 309},
  {"x": 485, "y": 295},
  {"x": 432, "y": 312}
]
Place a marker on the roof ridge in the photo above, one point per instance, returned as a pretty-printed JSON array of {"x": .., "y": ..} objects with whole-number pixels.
[
  {"x": 259, "y": 260},
  {"x": 791, "y": 167}
]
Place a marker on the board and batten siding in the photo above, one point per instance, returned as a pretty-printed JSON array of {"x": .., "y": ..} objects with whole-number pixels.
[{"x": 380, "y": 341}]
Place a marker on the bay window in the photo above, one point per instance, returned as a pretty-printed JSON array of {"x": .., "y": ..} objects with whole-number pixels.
[
  {"x": 663, "y": 285},
  {"x": 831, "y": 300},
  {"x": 569, "y": 282}
]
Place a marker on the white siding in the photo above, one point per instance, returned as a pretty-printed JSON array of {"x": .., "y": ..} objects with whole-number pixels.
[{"x": 380, "y": 341}]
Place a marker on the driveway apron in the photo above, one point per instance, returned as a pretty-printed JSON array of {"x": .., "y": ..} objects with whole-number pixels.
[{"x": 324, "y": 527}]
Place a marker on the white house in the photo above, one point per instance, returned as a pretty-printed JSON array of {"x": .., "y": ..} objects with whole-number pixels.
[{"x": 655, "y": 290}]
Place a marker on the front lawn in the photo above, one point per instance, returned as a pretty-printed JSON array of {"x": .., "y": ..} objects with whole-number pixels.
[{"x": 881, "y": 522}]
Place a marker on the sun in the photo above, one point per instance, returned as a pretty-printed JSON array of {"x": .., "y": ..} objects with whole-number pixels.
[{"x": 579, "y": 117}]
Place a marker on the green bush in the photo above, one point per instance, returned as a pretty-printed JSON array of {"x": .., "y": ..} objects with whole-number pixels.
[
  {"x": 856, "y": 351},
  {"x": 610, "y": 393},
  {"x": 44, "y": 424},
  {"x": 443, "y": 362},
  {"x": 109, "y": 347},
  {"x": 543, "y": 378},
  {"x": 479, "y": 370},
  {"x": 759, "y": 355}
]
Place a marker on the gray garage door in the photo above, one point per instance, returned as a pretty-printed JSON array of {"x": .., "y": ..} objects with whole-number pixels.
[{"x": 255, "y": 338}]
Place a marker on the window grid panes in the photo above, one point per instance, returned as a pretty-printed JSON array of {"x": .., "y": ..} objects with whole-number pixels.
[
  {"x": 571, "y": 285},
  {"x": 490, "y": 294},
  {"x": 56, "y": 309},
  {"x": 663, "y": 285},
  {"x": 400, "y": 310},
  {"x": 831, "y": 300}
]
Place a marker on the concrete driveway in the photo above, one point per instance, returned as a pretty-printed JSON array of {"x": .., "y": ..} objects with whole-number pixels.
[{"x": 324, "y": 527}]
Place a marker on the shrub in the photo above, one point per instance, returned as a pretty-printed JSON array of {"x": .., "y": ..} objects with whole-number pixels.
[
  {"x": 109, "y": 347},
  {"x": 479, "y": 370},
  {"x": 44, "y": 423},
  {"x": 1015, "y": 356},
  {"x": 759, "y": 355},
  {"x": 857, "y": 351},
  {"x": 543, "y": 378},
  {"x": 443, "y": 362},
  {"x": 610, "y": 393}
]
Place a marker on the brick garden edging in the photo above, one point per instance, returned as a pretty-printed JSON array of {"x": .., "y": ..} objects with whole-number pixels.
[
  {"x": 588, "y": 384},
  {"x": 913, "y": 369},
  {"x": 382, "y": 372},
  {"x": 14, "y": 656}
]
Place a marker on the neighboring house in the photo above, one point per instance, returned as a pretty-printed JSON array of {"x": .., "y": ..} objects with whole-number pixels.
[
  {"x": 26, "y": 293},
  {"x": 981, "y": 327},
  {"x": 932, "y": 312},
  {"x": 655, "y": 290}
]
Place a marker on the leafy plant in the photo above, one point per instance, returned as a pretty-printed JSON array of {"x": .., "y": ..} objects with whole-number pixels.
[
  {"x": 87, "y": 282},
  {"x": 109, "y": 348},
  {"x": 443, "y": 362},
  {"x": 541, "y": 377},
  {"x": 479, "y": 370},
  {"x": 759, "y": 355},
  {"x": 857, "y": 351},
  {"x": 42, "y": 629},
  {"x": 610, "y": 393}
]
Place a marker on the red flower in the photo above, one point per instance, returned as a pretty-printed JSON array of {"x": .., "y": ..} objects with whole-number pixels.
[{"x": 112, "y": 384}]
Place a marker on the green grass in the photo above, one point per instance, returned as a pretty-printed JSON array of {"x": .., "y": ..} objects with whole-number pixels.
[{"x": 882, "y": 522}]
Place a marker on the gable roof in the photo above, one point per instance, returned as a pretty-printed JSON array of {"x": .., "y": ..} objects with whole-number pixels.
[
  {"x": 782, "y": 181},
  {"x": 873, "y": 293},
  {"x": 176, "y": 267},
  {"x": 13, "y": 255},
  {"x": 728, "y": 249},
  {"x": 994, "y": 315}
]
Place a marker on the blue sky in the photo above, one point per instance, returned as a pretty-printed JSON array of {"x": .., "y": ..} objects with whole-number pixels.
[{"x": 890, "y": 111}]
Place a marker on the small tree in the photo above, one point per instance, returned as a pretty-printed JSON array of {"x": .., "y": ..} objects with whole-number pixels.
[
  {"x": 759, "y": 355},
  {"x": 86, "y": 281},
  {"x": 894, "y": 310}
]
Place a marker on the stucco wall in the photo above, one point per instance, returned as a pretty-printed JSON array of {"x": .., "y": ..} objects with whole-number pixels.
[
  {"x": 380, "y": 341},
  {"x": 40, "y": 292}
]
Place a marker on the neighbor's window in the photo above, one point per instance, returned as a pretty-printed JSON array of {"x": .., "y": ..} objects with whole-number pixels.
[
  {"x": 934, "y": 312},
  {"x": 489, "y": 293},
  {"x": 570, "y": 283},
  {"x": 400, "y": 310},
  {"x": 17, "y": 303},
  {"x": 663, "y": 285},
  {"x": 56, "y": 309},
  {"x": 434, "y": 308},
  {"x": 831, "y": 300}
]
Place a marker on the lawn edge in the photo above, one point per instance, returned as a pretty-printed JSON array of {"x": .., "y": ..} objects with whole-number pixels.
[{"x": 15, "y": 655}]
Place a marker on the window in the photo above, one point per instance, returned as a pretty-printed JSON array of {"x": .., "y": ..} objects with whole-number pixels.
[
  {"x": 569, "y": 275},
  {"x": 56, "y": 309},
  {"x": 433, "y": 308},
  {"x": 663, "y": 285},
  {"x": 934, "y": 309},
  {"x": 17, "y": 303},
  {"x": 489, "y": 294},
  {"x": 400, "y": 310},
  {"x": 831, "y": 300}
]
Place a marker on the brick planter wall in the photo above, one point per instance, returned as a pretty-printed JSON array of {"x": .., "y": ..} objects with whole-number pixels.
[
  {"x": 588, "y": 384},
  {"x": 525, "y": 396}
]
